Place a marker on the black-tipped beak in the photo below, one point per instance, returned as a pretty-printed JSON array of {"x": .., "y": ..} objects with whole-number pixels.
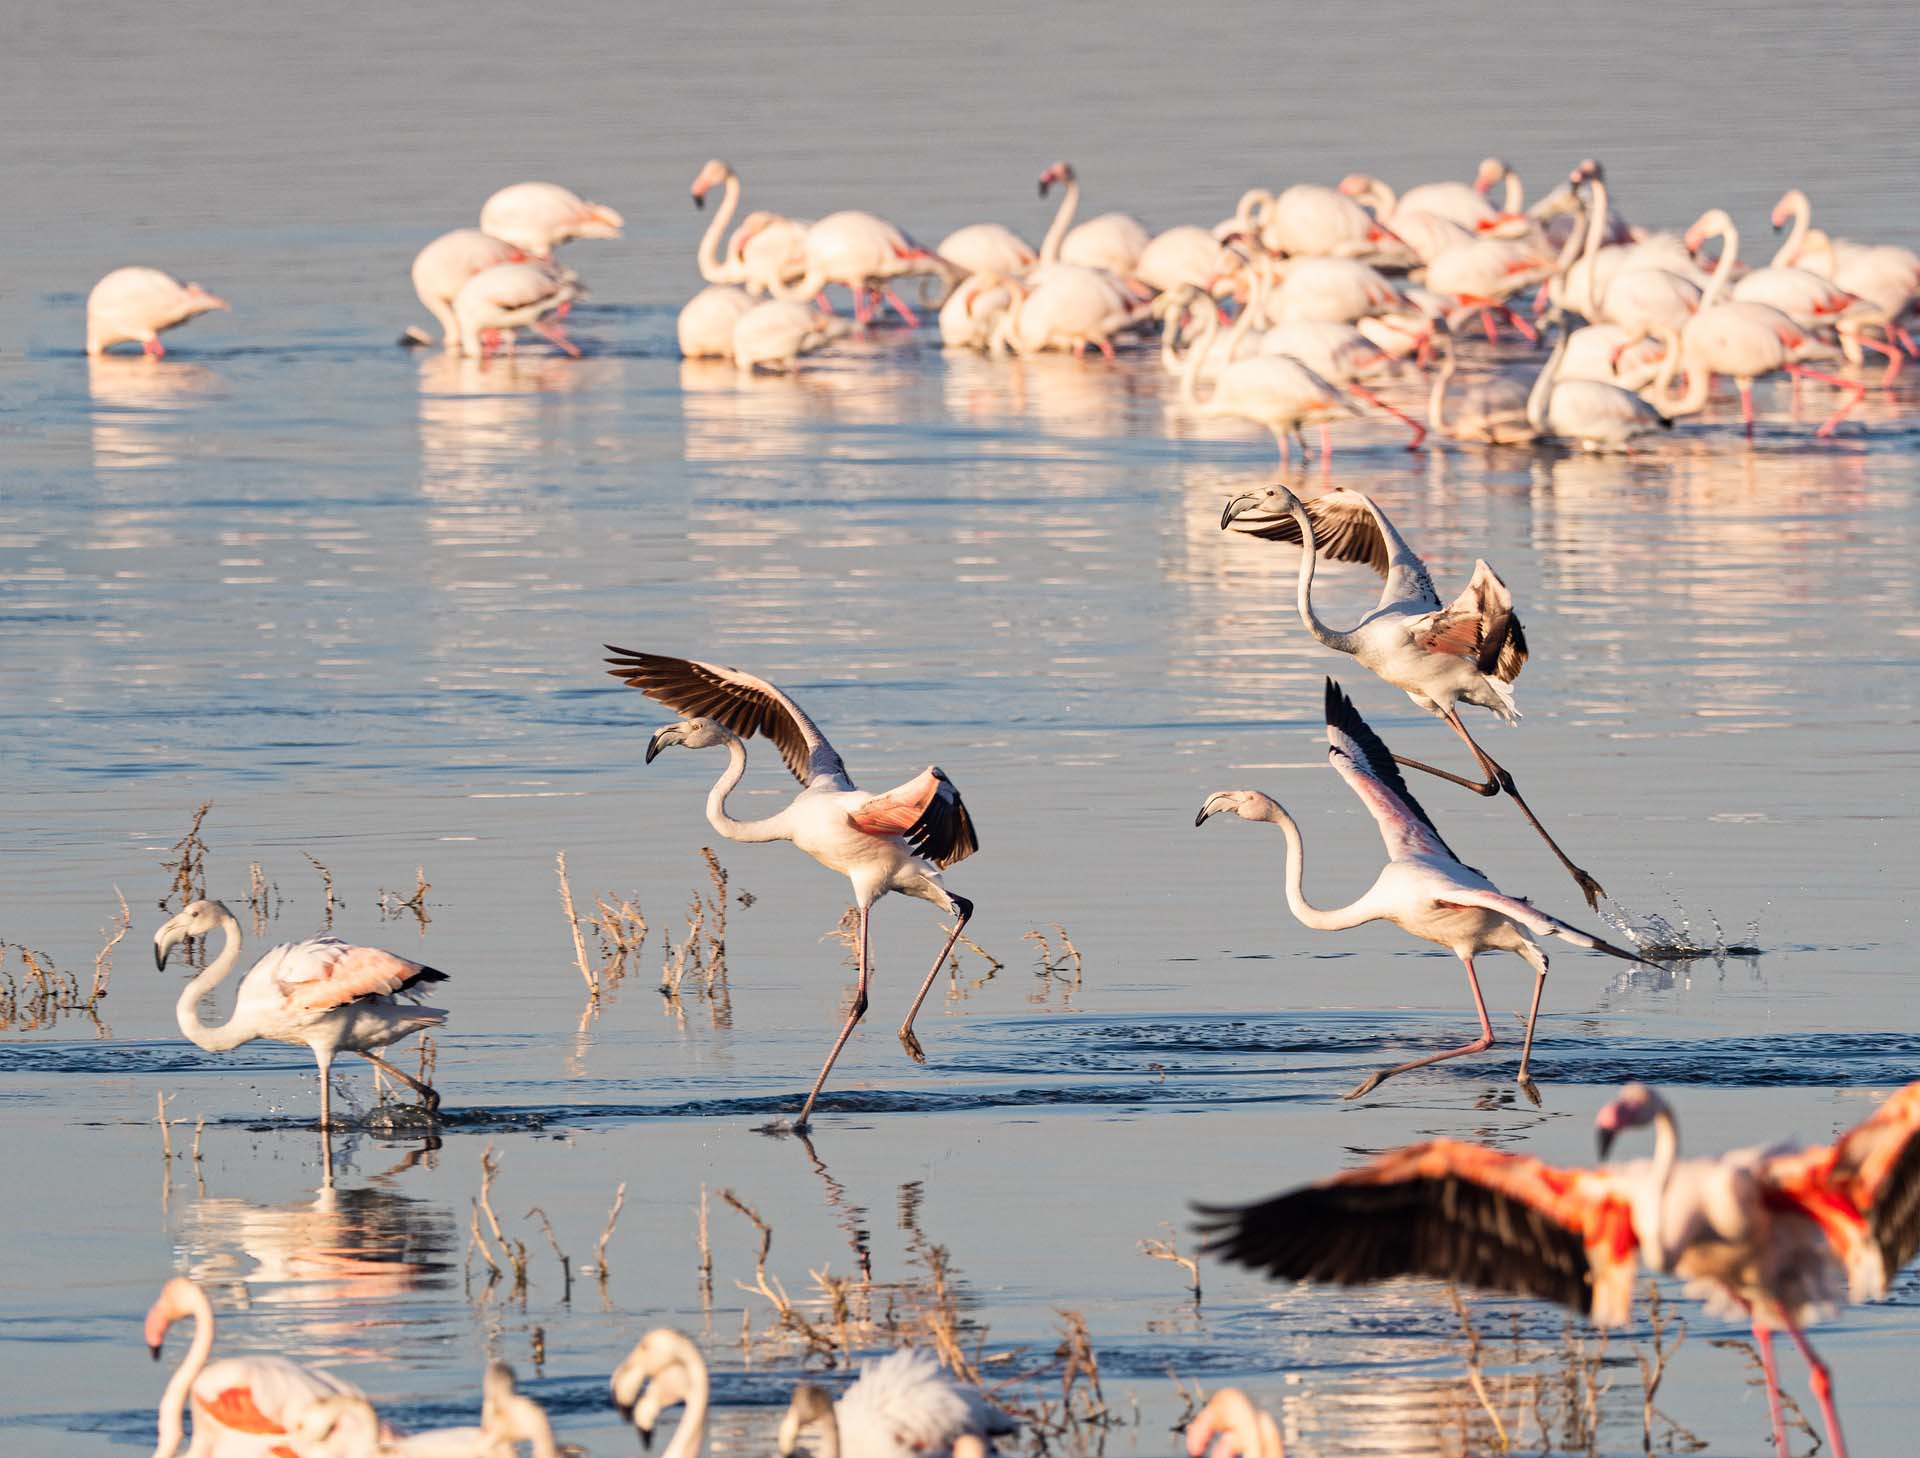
[
  {"x": 653, "y": 745},
  {"x": 1238, "y": 507},
  {"x": 1043, "y": 187},
  {"x": 700, "y": 200},
  {"x": 1201, "y": 818},
  {"x": 160, "y": 962},
  {"x": 646, "y": 1439},
  {"x": 154, "y": 1348},
  {"x": 1603, "y": 1141}
]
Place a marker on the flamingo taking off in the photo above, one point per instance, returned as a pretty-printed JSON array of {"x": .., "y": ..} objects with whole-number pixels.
[
  {"x": 1440, "y": 656},
  {"x": 1779, "y": 1236},
  {"x": 902, "y": 1405},
  {"x": 1425, "y": 890},
  {"x": 897, "y": 841},
  {"x": 322, "y": 993},
  {"x": 241, "y": 1405},
  {"x": 135, "y": 304},
  {"x": 540, "y": 216},
  {"x": 442, "y": 268},
  {"x": 512, "y": 296}
]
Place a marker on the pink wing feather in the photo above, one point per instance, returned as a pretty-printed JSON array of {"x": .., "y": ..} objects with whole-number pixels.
[{"x": 326, "y": 973}]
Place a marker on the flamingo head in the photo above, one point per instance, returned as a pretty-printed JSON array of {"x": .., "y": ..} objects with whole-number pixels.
[
  {"x": 1259, "y": 512},
  {"x": 1587, "y": 171},
  {"x": 201, "y": 302},
  {"x": 1357, "y": 184},
  {"x": 175, "y": 1301},
  {"x": 713, "y": 175},
  {"x": 498, "y": 1388},
  {"x": 694, "y": 733},
  {"x": 1060, "y": 172},
  {"x": 338, "y": 1424},
  {"x": 1711, "y": 224},
  {"x": 662, "y": 1359},
  {"x": 195, "y": 920},
  {"x": 1230, "y": 1425},
  {"x": 1633, "y": 1107},
  {"x": 1783, "y": 210},
  {"x": 1247, "y": 804},
  {"x": 810, "y": 1404},
  {"x": 1491, "y": 172}
]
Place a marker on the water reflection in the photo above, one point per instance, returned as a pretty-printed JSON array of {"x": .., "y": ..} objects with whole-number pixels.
[{"x": 138, "y": 405}]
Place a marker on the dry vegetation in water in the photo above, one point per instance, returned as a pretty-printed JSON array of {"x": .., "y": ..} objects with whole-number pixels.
[{"x": 42, "y": 993}]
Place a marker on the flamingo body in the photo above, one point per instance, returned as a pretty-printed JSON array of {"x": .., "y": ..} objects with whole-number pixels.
[
  {"x": 443, "y": 267},
  {"x": 509, "y": 297},
  {"x": 136, "y": 304},
  {"x": 707, "y": 320},
  {"x": 540, "y": 216}
]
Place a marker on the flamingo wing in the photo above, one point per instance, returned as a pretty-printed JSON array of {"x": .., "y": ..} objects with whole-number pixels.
[
  {"x": 325, "y": 973},
  {"x": 745, "y": 704},
  {"x": 1448, "y": 1210},
  {"x": 927, "y": 812},
  {"x": 1349, "y": 527},
  {"x": 1479, "y": 625},
  {"x": 1367, "y": 765},
  {"x": 1864, "y": 1191}
]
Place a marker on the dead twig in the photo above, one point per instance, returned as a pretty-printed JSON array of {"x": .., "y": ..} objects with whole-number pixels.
[
  {"x": 573, "y": 926},
  {"x": 566, "y": 1263},
  {"x": 514, "y": 1250},
  {"x": 189, "y": 863},
  {"x": 1166, "y": 1250},
  {"x": 326, "y": 886},
  {"x": 103, "y": 960}
]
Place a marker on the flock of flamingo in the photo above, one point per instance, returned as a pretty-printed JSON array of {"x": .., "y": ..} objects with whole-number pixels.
[{"x": 1331, "y": 287}]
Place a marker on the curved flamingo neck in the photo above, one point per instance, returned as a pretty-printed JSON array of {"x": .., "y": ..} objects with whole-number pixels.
[
  {"x": 1722, "y": 271},
  {"x": 1596, "y": 235},
  {"x": 1666, "y": 1155},
  {"x": 1541, "y": 395},
  {"x": 1437, "y": 397},
  {"x": 173, "y": 1401},
  {"x": 691, "y": 1435},
  {"x": 1062, "y": 220},
  {"x": 187, "y": 1010},
  {"x": 1515, "y": 200},
  {"x": 1305, "y": 912},
  {"x": 713, "y": 266},
  {"x": 1303, "y": 593},
  {"x": 746, "y": 831},
  {"x": 1788, "y": 253}
]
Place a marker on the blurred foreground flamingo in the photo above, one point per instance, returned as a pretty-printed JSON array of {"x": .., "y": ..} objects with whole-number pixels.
[
  {"x": 1780, "y": 1237},
  {"x": 241, "y": 1405},
  {"x": 898, "y": 841},
  {"x": 1440, "y": 656},
  {"x": 902, "y": 1405},
  {"x": 1425, "y": 890},
  {"x": 348, "y": 1427},
  {"x": 322, "y": 993},
  {"x": 1230, "y": 1426},
  {"x": 135, "y": 304}
]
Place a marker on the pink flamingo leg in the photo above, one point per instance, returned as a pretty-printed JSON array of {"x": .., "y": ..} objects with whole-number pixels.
[
  {"x": 1746, "y": 405},
  {"x": 1419, "y": 430},
  {"x": 1526, "y": 329},
  {"x": 1894, "y": 358},
  {"x": 900, "y": 308},
  {"x": 1106, "y": 348},
  {"x": 1906, "y": 339},
  {"x": 1486, "y": 323},
  {"x": 854, "y": 1014},
  {"x": 548, "y": 330},
  {"x": 1822, "y": 1384},
  {"x": 1856, "y": 392},
  {"x": 154, "y": 347},
  {"x": 822, "y": 302},
  {"x": 1326, "y": 441},
  {"x": 1478, "y": 1045},
  {"x": 1763, "y": 1339}
]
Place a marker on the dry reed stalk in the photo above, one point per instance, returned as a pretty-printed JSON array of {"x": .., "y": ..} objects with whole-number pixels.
[
  {"x": 475, "y": 1240},
  {"x": 573, "y": 925},
  {"x": 166, "y": 1132},
  {"x": 1474, "y": 1377},
  {"x": 189, "y": 863},
  {"x": 199, "y": 1125},
  {"x": 706, "y": 1255},
  {"x": 566, "y": 1262},
  {"x": 429, "y": 1061},
  {"x": 103, "y": 960},
  {"x": 1654, "y": 1370},
  {"x": 613, "y": 1218},
  {"x": 326, "y": 886},
  {"x": 1165, "y": 1250},
  {"x": 514, "y": 1250}
]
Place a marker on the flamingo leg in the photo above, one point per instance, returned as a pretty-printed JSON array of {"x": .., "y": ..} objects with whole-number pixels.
[
  {"x": 1286, "y": 448},
  {"x": 1527, "y": 331},
  {"x": 1538, "y": 959},
  {"x": 1891, "y": 351},
  {"x": 963, "y": 909},
  {"x": 154, "y": 347},
  {"x": 857, "y": 1012},
  {"x": 1763, "y": 1339},
  {"x": 426, "y": 1091},
  {"x": 1106, "y": 347},
  {"x": 1746, "y": 405},
  {"x": 1822, "y": 1383},
  {"x": 325, "y": 1060},
  {"x": 1478, "y": 1045},
  {"x": 1326, "y": 441},
  {"x": 1486, "y": 323},
  {"x": 1419, "y": 430},
  {"x": 1856, "y": 392},
  {"x": 552, "y": 332},
  {"x": 900, "y": 308},
  {"x": 822, "y": 302}
]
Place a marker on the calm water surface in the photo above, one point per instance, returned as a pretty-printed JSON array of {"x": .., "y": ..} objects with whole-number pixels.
[{"x": 355, "y": 597}]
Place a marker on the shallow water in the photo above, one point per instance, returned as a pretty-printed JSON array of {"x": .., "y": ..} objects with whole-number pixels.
[{"x": 355, "y": 597}]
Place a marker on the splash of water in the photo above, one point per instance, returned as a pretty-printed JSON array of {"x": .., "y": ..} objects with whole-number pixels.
[{"x": 1660, "y": 938}]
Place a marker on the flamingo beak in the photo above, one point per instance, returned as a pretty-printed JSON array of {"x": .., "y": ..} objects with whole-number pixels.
[
  {"x": 671, "y": 734},
  {"x": 1603, "y": 1140},
  {"x": 699, "y": 197},
  {"x": 154, "y": 1347},
  {"x": 1238, "y": 507}
]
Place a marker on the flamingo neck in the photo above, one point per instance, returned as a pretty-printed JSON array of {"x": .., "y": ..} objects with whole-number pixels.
[
  {"x": 1697, "y": 380},
  {"x": 691, "y": 1435},
  {"x": 1304, "y": 911},
  {"x": 746, "y": 831},
  {"x": 1515, "y": 200},
  {"x": 1541, "y": 395},
  {"x": 1666, "y": 1155},
  {"x": 1788, "y": 253},
  {"x": 713, "y": 267},
  {"x": 1717, "y": 285},
  {"x": 187, "y": 1010},
  {"x": 1196, "y": 355},
  {"x": 173, "y": 1401},
  {"x": 1062, "y": 220},
  {"x": 1437, "y": 397},
  {"x": 1303, "y": 597},
  {"x": 1596, "y": 235}
]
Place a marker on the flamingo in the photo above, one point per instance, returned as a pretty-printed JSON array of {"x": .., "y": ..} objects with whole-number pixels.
[
  {"x": 1276, "y": 391},
  {"x": 1311, "y": 221},
  {"x": 1427, "y": 234},
  {"x": 1599, "y": 351},
  {"x": 1779, "y": 1236},
  {"x": 1489, "y": 412},
  {"x": 539, "y": 216},
  {"x": 1440, "y": 657},
  {"x": 1742, "y": 339},
  {"x": 135, "y": 304},
  {"x": 775, "y": 334},
  {"x": 991, "y": 248},
  {"x": 1112, "y": 241},
  {"x": 1425, "y": 890},
  {"x": 348, "y": 1427},
  {"x": 860, "y": 253},
  {"x": 1335, "y": 290},
  {"x": 707, "y": 321},
  {"x": 973, "y": 311},
  {"x": 445, "y": 264},
  {"x": 240, "y": 1404},
  {"x": 1885, "y": 275},
  {"x": 1341, "y": 355},
  {"x": 902, "y": 1405},
  {"x": 898, "y": 841},
  {"x": 322, "y": 993},
  {"x": 1484, "y": 274},
  {"x": 1594, "y": 415},
  {"x": 1185, "y": 256},
  {"x": 1066, "y": 306},
  {"x": 1588, "y": 285},
  {"x": 766, "y": 247},
  {"x": 664, "y": 1369},
  {"x": 511, "y": 296},
  {"x": 1230, "y": 1426}
]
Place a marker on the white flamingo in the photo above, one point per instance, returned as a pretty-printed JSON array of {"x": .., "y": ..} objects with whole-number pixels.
[
  {"x": 1065, "y": 306},
  {"x": 539, "y": 216},
  {"x": 1439, "y": 656},
  {"x": 707, "y": 321},
  {"x": 1479, "y": 277},
  {"x": 511, "y": 296},
  {"x": 1276, "y": 391},
  {"x": 774, "y": 334},
  {"x": 322, "y": 994},
  {"x": 973, "y": 311},
  {"x": 1594, "y": 415},
  {"x": 1490, "y": 411},
  {"x": 765, "y": 248},
  {"x": 1230, "y": 1426},
  {"x": 1335, "y": 290},
  {"x": 1310, "y": 221},
  {"x": 135, "y": 304},
  {"x": 664, "y": 1370},
  {"x": 1185, "y": 257},
  {"x": 902, "y": 1405},
  {"x": 991, "y": 248},
  {"x": 442, "y": 268},
  {"x": 349, "y": 1427},
  {"x": 898, "y": 841},
  {"x": 1112, "y": 241},
  {"x": 861, "y": 253},
  {"x": 1425, "y": 889}
]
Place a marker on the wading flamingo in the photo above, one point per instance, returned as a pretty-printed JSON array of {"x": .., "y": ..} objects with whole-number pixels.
[
  {"x": 991, "y": 248},
  {"x": 1232, "y": 1427},
  {"x": 973, "y": 311},
  {"x": 1066, "y": 306},
  {"x": 1490, "y": 411},
  {"x": 775, "y": 333},
  {"x": 1592, "y": 414},
  {"x": 513, "y": 296},
  {"x": 1273, "y": 390},
  {"x": 1439, "y": 656},
  {"x": 1112, "y": 241},
  {"x": 135, "y": 304},
  {"x": 539, "y": 216},
  {"x": 1425, "y": 889},
  {"x": 240, "y": 1404},
  {"x": 902, "y": 1405},
  {"x": 1779, "y": 1236},
  {"x": 899, "y": 841},
  {"x": 442, "y": 268},
  {"x": 764, "y": 249},
  {"x": 664, "y": 1370},
  {"x": 707, "y": 320},
  {"x": 349, "y": 1427},
  {"x": 322, "y": 993},
  {"x": 1310, "y": 221}
]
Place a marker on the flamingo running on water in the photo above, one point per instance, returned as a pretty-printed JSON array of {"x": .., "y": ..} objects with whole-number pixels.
[
  {"x": 539, "y": 216},
  {"x": 1440, "y": 656},
  {"x": 135, "y": 304},
  {"x": 241, "y": 1405},
  {"x": 898, "y": 841},
  {"x": 1779, "y": 1236},
  {"x": 1425, "y": 890},
  {"x": 902, "y": 1405},
  {"x": 513, "y": 296},
  {"x": 322, "y": 993},
  {"x": 442, "y": 268},
  {"x": 349, "y": 1427}
]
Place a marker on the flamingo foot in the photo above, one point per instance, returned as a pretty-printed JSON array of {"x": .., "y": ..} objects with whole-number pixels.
[
  {"x": 154, "y": 348},
  {"x": 558, "y": 336}
]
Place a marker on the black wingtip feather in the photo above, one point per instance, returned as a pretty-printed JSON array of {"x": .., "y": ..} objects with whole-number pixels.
[{"x": 1342, "y": 715}]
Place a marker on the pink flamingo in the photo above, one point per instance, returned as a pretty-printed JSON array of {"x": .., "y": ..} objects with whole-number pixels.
[
  {"x": 1230, "y": 1426},
  {"x": 1779, "y": 1236},
  {"x": 135, "y": 304},
  {"x": 860, "y": 253},
  {"x": 511, "y": 296},
  {"x": 539, "y": 216},
  {"x": 442, "y": 268},
  {"x": 1112, "y": 241}
]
